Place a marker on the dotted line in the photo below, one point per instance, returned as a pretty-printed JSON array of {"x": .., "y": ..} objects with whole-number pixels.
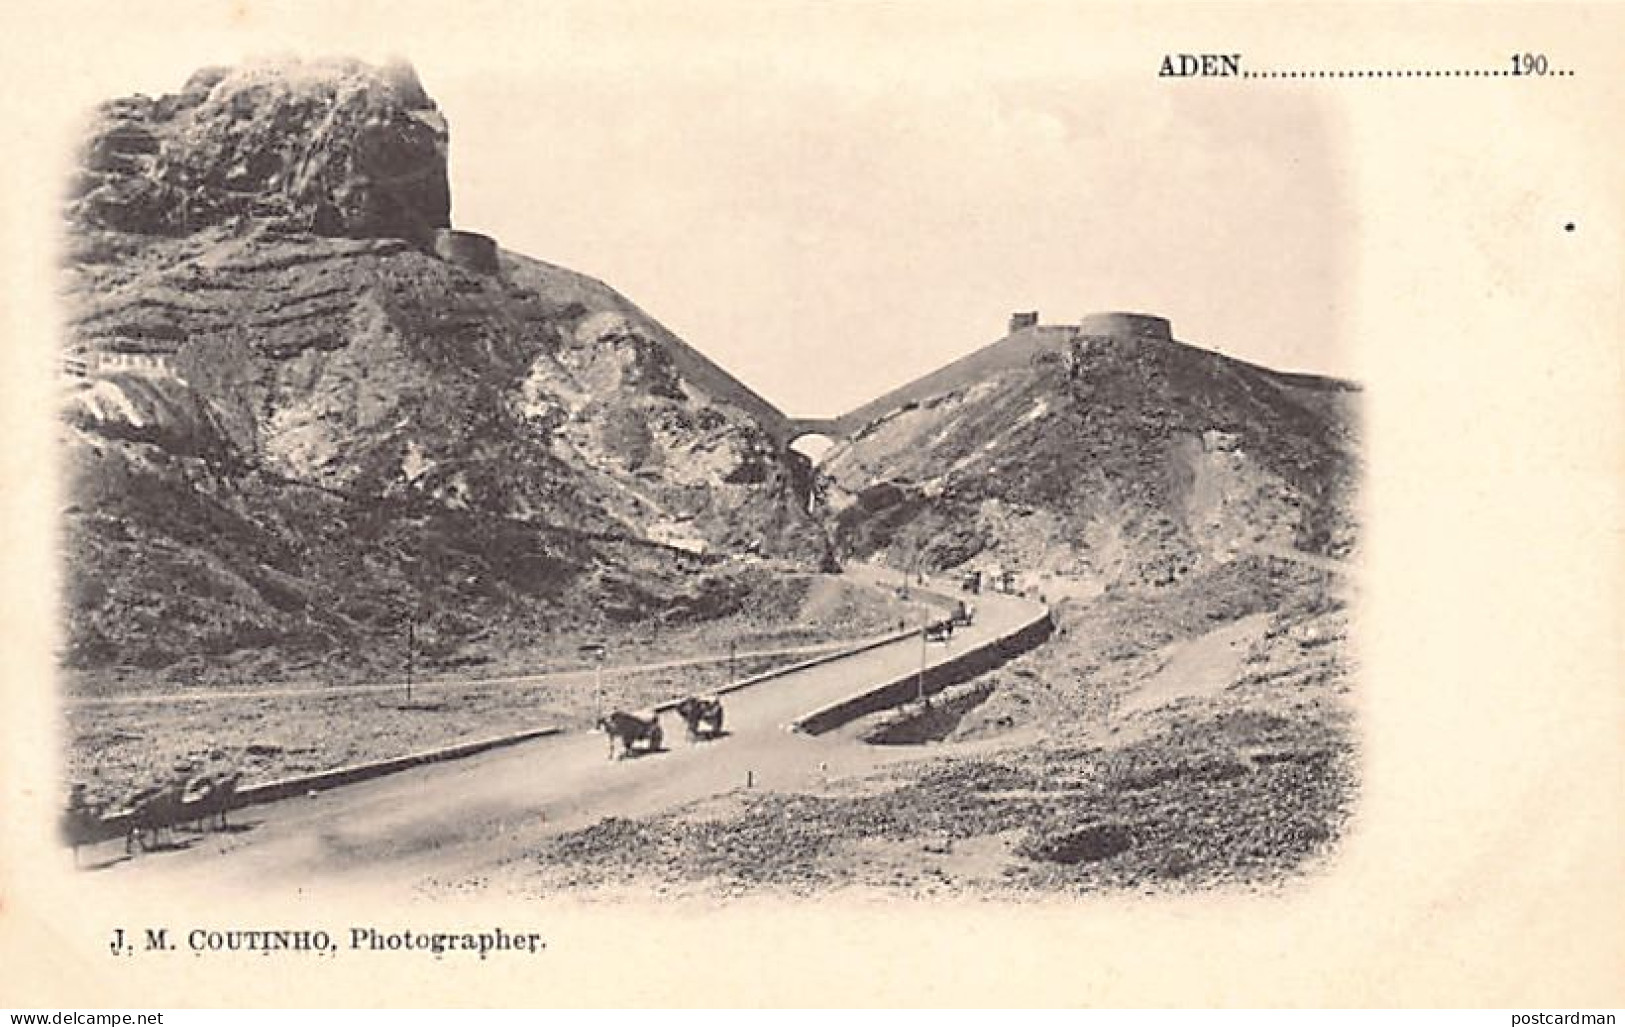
[{"x": 1391, "y": 73}]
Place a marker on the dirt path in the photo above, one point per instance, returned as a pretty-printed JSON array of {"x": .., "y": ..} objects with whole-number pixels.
[
  {"x": 454, "y": 820},
  {"x": 1196, "y": 667}
]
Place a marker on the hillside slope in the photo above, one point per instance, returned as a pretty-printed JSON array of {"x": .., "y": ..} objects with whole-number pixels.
[
  {"x": 299, "y": 410},
  {"x": 1104, "y": 460}
]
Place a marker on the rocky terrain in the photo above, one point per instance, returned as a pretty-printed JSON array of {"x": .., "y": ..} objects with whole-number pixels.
[
  {"x": 301, "y": 411},
  {"x": 1097, "y": 461}
]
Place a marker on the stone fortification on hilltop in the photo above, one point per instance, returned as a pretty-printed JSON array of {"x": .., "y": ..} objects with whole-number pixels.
[
  {"x": 1025, "y": 339},
  {"x": 1105, "y": 452}
]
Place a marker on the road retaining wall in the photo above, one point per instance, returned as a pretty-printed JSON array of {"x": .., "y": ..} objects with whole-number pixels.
[
  {"x": 791, "y": 668},
  {"x": 958, "y": 668},
  {"x": 272, "y": 791},
  {"x": 118, "y": 824}
]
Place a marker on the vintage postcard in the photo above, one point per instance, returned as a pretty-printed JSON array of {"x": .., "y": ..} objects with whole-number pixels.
[{"x": 812, "y": 504}]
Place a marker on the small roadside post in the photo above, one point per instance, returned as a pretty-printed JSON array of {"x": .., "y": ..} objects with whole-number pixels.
[
  {"x": 596, "y": 651},
  {"x": 411, "y": 640}
]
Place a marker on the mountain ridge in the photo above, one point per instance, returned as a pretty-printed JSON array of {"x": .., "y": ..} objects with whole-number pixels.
[{"x": 1021, "y": 343}]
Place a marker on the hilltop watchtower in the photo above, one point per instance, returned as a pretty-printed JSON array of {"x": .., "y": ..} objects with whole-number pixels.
[
  {"x": 1125, "y": 326},
  {"x": 1023, "y": 319},
  {"x": 469, "y": 250}
]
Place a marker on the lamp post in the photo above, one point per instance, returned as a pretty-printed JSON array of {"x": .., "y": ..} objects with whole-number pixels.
[{"x": 733, "y": 654}]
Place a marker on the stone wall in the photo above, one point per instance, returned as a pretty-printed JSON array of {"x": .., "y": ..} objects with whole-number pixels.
[
  {"x": 960, "y": 668},
  {"x": 149, "y": 365}
]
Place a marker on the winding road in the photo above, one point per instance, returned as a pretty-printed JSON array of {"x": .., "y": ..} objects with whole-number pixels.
[{"x": 453, "y": 820}]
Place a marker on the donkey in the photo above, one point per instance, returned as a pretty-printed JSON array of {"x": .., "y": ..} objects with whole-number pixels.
[
  {"x": 631, "y": 728},
  {"x": 210, "y": 799},
  {"x": 153, "y": 811},
  {"x": 702, "y": 714}
]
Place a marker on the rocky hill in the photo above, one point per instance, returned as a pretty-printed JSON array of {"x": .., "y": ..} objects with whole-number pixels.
[
  {"x": 300, "y": 408},
  {"x": 1103, "y": 455}
]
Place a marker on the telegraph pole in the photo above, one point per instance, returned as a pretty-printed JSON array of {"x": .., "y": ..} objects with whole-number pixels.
[
  {"x": 411, "y": 637},
  {"x": 924, "y": 631},
  {"x": 597, "y": 651},
  {"x": 733, "y": 653}
]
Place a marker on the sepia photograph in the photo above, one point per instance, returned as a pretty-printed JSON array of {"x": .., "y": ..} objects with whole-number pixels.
[
  {"x": 781, "y": 475},
  {"x": 354, "y": 493}
]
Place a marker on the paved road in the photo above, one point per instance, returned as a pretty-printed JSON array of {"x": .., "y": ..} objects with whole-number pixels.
[{"x": 456, "y": 819}]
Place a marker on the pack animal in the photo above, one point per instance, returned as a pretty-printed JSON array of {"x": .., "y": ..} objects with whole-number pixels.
[
  {"x": 153, "y": 811},
  {"x": 632, "y": 729},
  {"x": 210, "y": 799},
  {"x": 81, "y": 822},
  {"x": 702, "y": 714}
]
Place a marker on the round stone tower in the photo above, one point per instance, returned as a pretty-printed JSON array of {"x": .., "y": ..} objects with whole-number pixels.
[
  {"x": 1120, "y": 325},
  {"x": 469, "y": 250}
]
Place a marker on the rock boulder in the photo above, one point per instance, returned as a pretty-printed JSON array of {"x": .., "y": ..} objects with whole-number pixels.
[{"x": 338, "y": 148}]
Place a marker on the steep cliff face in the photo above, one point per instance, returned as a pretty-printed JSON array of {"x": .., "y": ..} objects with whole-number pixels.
[
  {"x": 336, "y": 148},
  {"x": 291, "y": 425},
  {"x": 1110, "y": 462}
]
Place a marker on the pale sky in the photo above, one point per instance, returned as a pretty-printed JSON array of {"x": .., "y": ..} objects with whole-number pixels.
[
  {"x": 832, "y": 200},
  {"x": 826, "y": 241}
]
